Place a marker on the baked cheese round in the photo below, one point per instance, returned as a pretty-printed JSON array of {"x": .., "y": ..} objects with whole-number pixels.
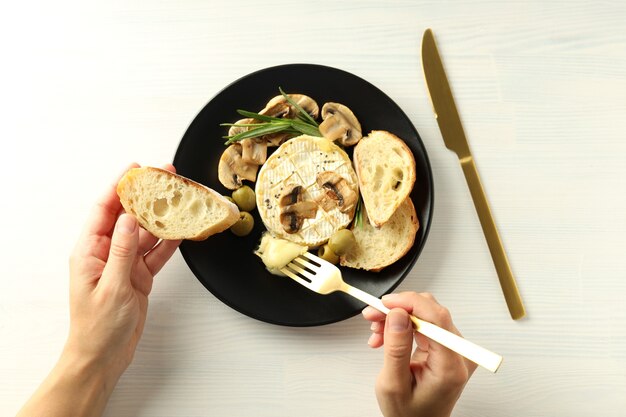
[{"x": 298, "y": 162}]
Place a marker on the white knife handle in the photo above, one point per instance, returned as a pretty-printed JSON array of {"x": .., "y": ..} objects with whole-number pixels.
[{"x": 477, "y": 354}]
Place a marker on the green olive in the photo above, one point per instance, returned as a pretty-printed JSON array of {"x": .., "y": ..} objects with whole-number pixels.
[
  {"x": 327, "y": 254},
  {"x": 230, "y": 199},
  {"x": 244, "y": 225},
  {"x": 244, "y": 197},
  {"x": 342, "y": 241}
]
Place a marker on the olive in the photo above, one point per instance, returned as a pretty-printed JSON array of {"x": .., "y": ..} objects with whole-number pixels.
[
  {"x": 342, "y": 241},
  {"x": 244, "y": 197},
  {"x": 230, "y": 199},
  {"x": 244, "y": 225},
  {"x": 327, "y": 254}
]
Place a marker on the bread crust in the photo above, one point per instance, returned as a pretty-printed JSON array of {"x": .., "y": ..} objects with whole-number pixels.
[
  {"x": 362, "y": 158},
  {"x": 130, "y": 197},
  {"x": 376, "y": 260}
]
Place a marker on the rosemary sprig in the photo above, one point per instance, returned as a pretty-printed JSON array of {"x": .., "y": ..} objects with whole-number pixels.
[
  {"x": 301, "y": 113},
  {"x": 358, "y": 213},
  {"x": 303, "y": 124}
]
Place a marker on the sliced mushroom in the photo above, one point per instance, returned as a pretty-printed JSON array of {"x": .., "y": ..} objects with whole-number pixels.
[
  {"x": 240, "y": 129},
  {"x": 294, "y": 209},
  {"x": 339, "y": 194},
  {"x": 280, "y": 107},
  {"x": 232, "y": 169},
  {"x": 254, "y": 151},
  {"x": 340, "y": 124},
  {"x": 275, "y": 139}
]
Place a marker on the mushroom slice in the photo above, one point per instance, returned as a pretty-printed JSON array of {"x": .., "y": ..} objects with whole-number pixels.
[
  {"x": 253, "y": 151},
  {"x": 232, "y": 169},
  {"x": 294, "y": 209},
  {"x": 340, "y": 124},
  {"x": 240, "y": 129},
  {"x": 275, "y": 139},
  {"x": 338, "y": 193},
  {"x": 280, "y": 107}
]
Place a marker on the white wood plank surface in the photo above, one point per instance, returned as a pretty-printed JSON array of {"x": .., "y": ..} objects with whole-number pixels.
[{"x": 87, "y": 87}]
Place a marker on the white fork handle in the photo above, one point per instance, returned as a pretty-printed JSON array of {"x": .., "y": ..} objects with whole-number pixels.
[{"x": 463, "y": 347}]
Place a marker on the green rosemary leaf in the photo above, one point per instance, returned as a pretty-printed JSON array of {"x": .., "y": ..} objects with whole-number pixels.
[
  {"x": 266, "y": 129},
  {"x": 257, "y": 116},
  {"x": 305, "y": 128},
  {"x": 301, "y": 112},
  {"x": 358, "y": 213}
]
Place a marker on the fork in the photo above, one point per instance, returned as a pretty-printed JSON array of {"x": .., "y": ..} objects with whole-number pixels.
[{"x": 324, "y": 278}]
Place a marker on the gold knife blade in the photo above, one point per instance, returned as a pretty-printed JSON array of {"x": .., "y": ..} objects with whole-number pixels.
[{"x": 453, "y": 135}]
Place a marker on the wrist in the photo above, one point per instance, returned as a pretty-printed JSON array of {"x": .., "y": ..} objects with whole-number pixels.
[
  {"x": 88, "y": 367},
  {"x": 78, "y": 386}
]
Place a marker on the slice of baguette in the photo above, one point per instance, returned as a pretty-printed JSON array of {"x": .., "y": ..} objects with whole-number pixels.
[
  {"x": 377, "y": 248},
  {"x": 173, "y": 207},
  {"x": 386, "y": 169}
]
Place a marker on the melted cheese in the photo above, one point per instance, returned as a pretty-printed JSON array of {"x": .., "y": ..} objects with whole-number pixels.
[
  {"x": 277, "y": 253},
  {"x": 298, "y": 162}
]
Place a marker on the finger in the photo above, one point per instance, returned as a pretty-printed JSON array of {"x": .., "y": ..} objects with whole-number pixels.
[
  {"x": 378, "y": 327},
  {"x": 107, "y": 209},
  {"x": 123, "y": 250},
  {"x": 157, "y": 257},
  {"x": 423, "y": 306},
  {"x": 170, "y": 168},
  {"x": 147, "y": 241},
  {"x": 371, "y": 314},
  {"x": 423, "y": 343},
  {"x": 398, "y": 338},
  {"x": 376, "y": 340},
  {"x": 426, "y": 308}
]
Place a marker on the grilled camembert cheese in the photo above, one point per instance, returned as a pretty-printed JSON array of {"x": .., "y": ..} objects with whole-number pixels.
[{"x": 307, "y": 190}]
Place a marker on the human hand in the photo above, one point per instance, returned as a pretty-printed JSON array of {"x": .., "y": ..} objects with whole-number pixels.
[
  {"x": 428, "y": 381},
  {"x": 111, "y": 273}
]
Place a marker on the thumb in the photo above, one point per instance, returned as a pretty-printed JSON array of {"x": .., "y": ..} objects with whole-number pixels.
[
  {"x": 396, "y": 370},
  {"x": 123, "y": 251}
]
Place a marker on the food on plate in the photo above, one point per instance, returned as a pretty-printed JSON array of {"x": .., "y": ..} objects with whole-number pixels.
[
  {"x": 377, "y": 248},
  {"x": 340, "y": 124},
  {"x": 281, "y": 107},
  {"x": 385, "y": 167},
  {"x": 173, "y": 207},
  {"x": 309, "y": 193},
  {"x": 244, "y": 225},
  {"x": 327, "y": 254},
  {"x": 291, "y": 201},
  {"x": 232, "y": 169},
  {"x": 245, "y": 198},
  {"x": 283, "y": 117},
  {"x": 342, "y": 241},
  {"x": 277, "y": 253}
]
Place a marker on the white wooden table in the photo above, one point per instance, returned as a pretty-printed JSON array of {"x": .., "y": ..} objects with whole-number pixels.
[{"x": 87, "y": 87}]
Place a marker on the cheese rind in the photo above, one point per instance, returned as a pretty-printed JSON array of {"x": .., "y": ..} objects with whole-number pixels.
[{"x": 298, "y": 162}]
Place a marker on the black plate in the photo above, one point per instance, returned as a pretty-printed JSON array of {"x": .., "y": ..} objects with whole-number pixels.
[{"x": 224, "y": 263}]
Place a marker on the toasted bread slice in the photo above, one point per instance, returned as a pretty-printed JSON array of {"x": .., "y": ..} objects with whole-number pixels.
[
  {"x": 386, "y": 169},
  {"x": 173, "y": 207},
  {"x": 377, "y": 248}
]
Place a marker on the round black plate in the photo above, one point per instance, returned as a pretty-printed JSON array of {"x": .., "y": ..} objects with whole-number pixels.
[{"x": 225, "y": 264}]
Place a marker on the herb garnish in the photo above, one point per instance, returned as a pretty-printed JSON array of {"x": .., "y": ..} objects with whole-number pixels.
[{"x": 267, "y": 125}]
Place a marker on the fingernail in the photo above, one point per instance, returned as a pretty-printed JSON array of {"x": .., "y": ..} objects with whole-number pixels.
[
  {"x": 397, "y": 321},
  {"x": 370, "y": 341},
  {"x": 368, "y": 310},
  {"x": 126, "y": 224}
]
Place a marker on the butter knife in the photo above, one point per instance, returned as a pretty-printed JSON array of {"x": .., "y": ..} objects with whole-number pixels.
[{"x": 454, "y": 137}]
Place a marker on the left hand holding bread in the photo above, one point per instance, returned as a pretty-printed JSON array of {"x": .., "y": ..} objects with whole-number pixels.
[{"x": 111, "y": 273}]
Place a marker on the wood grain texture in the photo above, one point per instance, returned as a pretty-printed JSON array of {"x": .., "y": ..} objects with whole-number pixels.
[{"x": 540, "y": 85}]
